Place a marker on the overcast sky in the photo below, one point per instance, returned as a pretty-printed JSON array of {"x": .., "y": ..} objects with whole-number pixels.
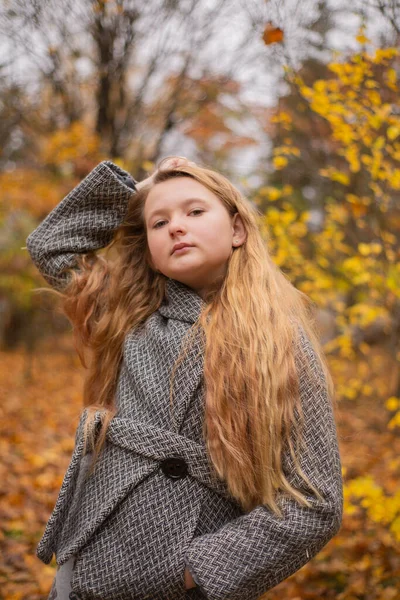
[{"x": 259, "y": 69}]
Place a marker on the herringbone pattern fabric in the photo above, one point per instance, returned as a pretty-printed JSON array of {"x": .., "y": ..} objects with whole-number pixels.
[{"x": 131, "y": 527}]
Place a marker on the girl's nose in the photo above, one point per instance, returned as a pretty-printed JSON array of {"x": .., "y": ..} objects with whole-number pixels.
[{"x": 177, "y": 226}]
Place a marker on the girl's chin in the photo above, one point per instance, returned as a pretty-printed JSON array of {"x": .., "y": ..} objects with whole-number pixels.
[{"x": 188, "y": 268}]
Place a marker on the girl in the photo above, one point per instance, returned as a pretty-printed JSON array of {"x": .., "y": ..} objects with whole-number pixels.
[{"x": 206, "y": 462}]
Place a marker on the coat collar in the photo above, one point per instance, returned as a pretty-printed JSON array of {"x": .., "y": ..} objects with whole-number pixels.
[{"x": 181, "y": 302}]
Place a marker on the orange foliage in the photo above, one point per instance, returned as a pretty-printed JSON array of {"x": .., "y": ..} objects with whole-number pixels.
[
  {"x": 65, "y": 157},
  {"x": 40, "y": 406},
  {"x": 29, "y": 190}
]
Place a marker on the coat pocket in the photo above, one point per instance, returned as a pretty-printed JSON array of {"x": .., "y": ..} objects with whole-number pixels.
[{"x": 137, "y": 553}]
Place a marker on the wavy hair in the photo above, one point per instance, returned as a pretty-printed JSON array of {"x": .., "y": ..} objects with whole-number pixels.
[{"x": 250, "y": 326}]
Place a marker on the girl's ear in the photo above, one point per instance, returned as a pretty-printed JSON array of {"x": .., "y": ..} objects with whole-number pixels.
[{"x": 239, "y": 234}]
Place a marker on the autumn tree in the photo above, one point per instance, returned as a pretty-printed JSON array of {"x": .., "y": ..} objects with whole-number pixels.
[
  {"x": 96, "y": 96},
  {"x": 348, "y": 262}
]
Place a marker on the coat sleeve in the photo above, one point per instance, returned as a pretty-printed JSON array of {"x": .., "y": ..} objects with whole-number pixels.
[
  {"x": 256, "y": 551},
  {"x": 84, "y": 221}
]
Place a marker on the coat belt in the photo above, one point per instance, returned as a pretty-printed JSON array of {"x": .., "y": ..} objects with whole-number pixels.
[{"x": 159, "y": 444}]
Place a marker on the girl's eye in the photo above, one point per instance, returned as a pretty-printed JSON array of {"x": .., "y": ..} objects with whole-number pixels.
[{"x": 199, "y": 210}]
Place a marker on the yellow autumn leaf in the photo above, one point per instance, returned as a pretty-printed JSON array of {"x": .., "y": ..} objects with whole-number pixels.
[
  {"x": 376, "y": 248},
  {"x": 394, "y": 179},
  {"x": 393, "y": 132},
  {"x": 281, "y": 117},
  {"x": 392, "y": 403},
  {"x": 272, "y": 193},
  {"x": 306, "y": 92},
  {"x": 391, "y": 79},
  {"x": 362, "y": 39},
  {"x": 279, "y": 162},
  {"x": 340, "y": 177},
  {"x": 364, "y": 249},
  {"x": 383, "y": 54},
  {"x": 395, "y": 421}
]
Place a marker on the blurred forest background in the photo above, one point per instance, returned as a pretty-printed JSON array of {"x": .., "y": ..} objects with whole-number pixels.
[{"x": 297, "y": 102}]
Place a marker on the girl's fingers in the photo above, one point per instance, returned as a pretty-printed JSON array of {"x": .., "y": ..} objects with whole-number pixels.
[
  {"x": 176, "y": 162},
  {"x": 173, "y": 162},
  {"x": 166, "y": 163}
]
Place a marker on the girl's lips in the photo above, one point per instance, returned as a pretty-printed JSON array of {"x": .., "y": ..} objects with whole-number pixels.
[{"x": 182, "y": 250}]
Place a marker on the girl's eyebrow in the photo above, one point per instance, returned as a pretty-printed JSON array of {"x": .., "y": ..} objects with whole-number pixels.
[{"x": 184, "y": 203}]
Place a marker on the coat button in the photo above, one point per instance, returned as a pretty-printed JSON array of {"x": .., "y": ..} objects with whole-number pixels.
[{"x": 174, "y": 467}]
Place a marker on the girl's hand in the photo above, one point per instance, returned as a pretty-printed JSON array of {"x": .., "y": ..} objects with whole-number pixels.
[
  {"x": 166, "y": 163},
  {"x": 189, "y": 582},
  {"x": 174, "y": 161}
]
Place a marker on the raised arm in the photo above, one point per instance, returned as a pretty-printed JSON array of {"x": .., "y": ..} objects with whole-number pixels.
[
  {"x": 254, "y": 552},
  {"x": 84, "y": 221}
]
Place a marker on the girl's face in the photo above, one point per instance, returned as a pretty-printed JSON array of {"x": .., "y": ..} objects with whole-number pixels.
[{"x": 182, "y": 210}]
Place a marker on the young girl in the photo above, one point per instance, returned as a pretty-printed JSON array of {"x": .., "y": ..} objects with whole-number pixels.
[{"x": 206, "y": 462}]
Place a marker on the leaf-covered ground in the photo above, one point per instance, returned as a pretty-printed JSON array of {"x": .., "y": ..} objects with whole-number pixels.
[{"x": 39, "y": 410}]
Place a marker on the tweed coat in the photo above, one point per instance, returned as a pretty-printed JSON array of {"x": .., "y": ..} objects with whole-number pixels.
[{"x": 153, "y": 504}]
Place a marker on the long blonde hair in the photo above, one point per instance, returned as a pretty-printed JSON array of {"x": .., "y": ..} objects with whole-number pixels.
[{"x": 250, "y": 326}]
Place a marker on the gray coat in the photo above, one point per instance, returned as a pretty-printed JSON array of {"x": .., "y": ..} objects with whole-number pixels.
[{"x": 153, "y": 504}]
